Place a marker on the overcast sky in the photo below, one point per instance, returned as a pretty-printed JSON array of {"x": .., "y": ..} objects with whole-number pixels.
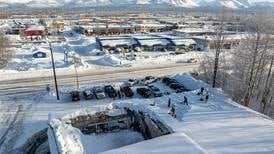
[{"x": 23, "y": 1}]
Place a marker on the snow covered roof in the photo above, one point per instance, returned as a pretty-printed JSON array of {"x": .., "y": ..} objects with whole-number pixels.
[
  {"x": 185, "y": 42},
  {"x": 145, "y": 36},
  {"x": 218, "y": 126},
  {"x": 118, "y": 42},
  {"x": 34, "y": 28},
  {"x": 194, "y": 30},
  {"x": 152, "y": 42},
  {"x": 173, "y": 143},
  {"x": 226, "y": 37}
]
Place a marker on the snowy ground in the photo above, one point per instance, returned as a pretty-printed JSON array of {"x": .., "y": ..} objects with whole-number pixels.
[
  {"x": 84, "y": 48},
  {"x": 219, "y": 126}
]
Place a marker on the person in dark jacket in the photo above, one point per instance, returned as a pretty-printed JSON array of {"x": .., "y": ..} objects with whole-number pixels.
[
  {"x": 206, "y": 98},
  {"x": 169, "y": 102},
  {"x": 201, "y": 92},
  {"x": 185, "y": 101},
  {"x": 48, "y": 88},
  {"x": 119, "y": 94}
]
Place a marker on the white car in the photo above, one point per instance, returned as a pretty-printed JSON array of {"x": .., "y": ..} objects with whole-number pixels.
[
  {"x": 99, "y": 92},
  {"x": 192, "y": 60}
]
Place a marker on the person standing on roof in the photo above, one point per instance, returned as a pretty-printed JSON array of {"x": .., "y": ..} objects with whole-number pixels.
[
  {"x": 185, "y": 101},
  {"x": 201, "y": 92},
  {"x": 206, "y": 98},
  {"x": 169, "y": 102}
]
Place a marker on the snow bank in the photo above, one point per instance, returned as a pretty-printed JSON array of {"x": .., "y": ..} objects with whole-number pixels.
[
  {"x": 67, "y": 137},
  {"x": 108, "y": 60}
]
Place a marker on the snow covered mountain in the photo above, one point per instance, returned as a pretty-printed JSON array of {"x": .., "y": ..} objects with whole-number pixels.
[{"x": 230, "y": 4}]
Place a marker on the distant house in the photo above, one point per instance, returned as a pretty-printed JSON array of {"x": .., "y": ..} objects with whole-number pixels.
[
  {"x": 59, "y": 25},
  {"x": 40, "y": 54},
  {"x": 35, "y": 31}
]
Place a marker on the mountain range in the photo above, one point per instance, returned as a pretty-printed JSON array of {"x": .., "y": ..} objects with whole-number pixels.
[{"x": 229, "y": 4}]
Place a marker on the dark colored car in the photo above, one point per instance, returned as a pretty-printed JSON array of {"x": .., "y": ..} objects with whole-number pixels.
[
  {"x": 127, "y": 91},
  {"x": 171, "y": 81},
  {"x": 75, "y": 96},
  {"x": 88, "y": 94},
  {"x": 149, "y": 77},
  {"x": 110, "y": 91},
  {"x": 155, "y": 91},
  {"x": 145, "y": 92},
  {"x": 176, "y": 86},
  {"x": 166, "y": 79}
]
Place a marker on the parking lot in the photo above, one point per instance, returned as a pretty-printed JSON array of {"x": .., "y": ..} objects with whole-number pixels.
[{"x": 147, "y": 87}]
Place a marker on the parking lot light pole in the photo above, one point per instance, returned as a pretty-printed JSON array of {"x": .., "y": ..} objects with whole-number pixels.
[{"x": 54, "y": 73}]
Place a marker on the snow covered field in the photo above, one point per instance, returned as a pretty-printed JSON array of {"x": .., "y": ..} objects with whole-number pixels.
[{"x": 218, "y": 126}]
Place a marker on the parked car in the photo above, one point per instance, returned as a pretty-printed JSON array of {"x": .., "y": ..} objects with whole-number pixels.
[
  {"x": 171, "y": 81},
  {"x": 127, "y": 91},
  {"x": 177, "y": 86},
  {"x": 179, "y": 52},
  {"x": 192, "y": 60},
  {"x": 166, "y": 79},
  {"x": 99, "y": 92},
  {"x": 133, "y": 82},
  {"x": 75, "y": 96},
  {"x": 110, "y": 91},
  {"x": 88, "y": 94},
  {"x": 155, "y": 91},
  {"x": 149, "y": 80},
  {"x": 145, "y": 92}
]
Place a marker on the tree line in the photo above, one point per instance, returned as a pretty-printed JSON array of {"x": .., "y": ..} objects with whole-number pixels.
[{"x": 245, "y": 72}]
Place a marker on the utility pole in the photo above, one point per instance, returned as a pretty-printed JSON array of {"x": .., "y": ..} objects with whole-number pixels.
[
  {"x": 54, "y": 73},
  {"x": 75, "y": 61}
]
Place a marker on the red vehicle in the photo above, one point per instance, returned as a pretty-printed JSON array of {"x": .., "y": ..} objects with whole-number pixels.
[{"x": 127, "y": 91}]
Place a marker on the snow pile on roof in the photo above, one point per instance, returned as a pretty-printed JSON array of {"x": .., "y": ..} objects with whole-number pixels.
[
  {"x": 152, "y": 42},
  {"x": 96, "y": 143},
  {"x": 68, "y": 138},
  {"x": 108, "y": 60},
  {"x": 117, "y": 42},
  {"x": 186, "y": 42}
]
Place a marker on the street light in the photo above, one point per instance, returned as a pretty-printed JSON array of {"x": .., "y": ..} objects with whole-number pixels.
[{"x": 54, "y": 73}]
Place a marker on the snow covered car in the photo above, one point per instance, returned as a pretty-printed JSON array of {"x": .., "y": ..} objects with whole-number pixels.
[
  {"x": 99, "y": 92},
  {"x": 127, "y": 90},
  {"x": 149, "y": 80},
  {"x": 145, "y": 92},
  {"x": 110, "y": 91},
  {"x": 155, "y": 91},
  {"x": 192, "y": 60},
  {"x": 132, "y": 82},
  {"x": 88, "y": 94},
  {"x": 75, "y": 96}
]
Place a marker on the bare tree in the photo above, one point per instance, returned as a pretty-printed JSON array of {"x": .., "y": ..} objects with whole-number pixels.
[
  {"x": 218, "y": 45},
  {"x": 5, "y": 53},
  {"x": 245, "y": 73}
]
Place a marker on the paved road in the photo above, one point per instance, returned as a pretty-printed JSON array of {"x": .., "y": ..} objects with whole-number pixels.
[{"x": 31, "y": 84}]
